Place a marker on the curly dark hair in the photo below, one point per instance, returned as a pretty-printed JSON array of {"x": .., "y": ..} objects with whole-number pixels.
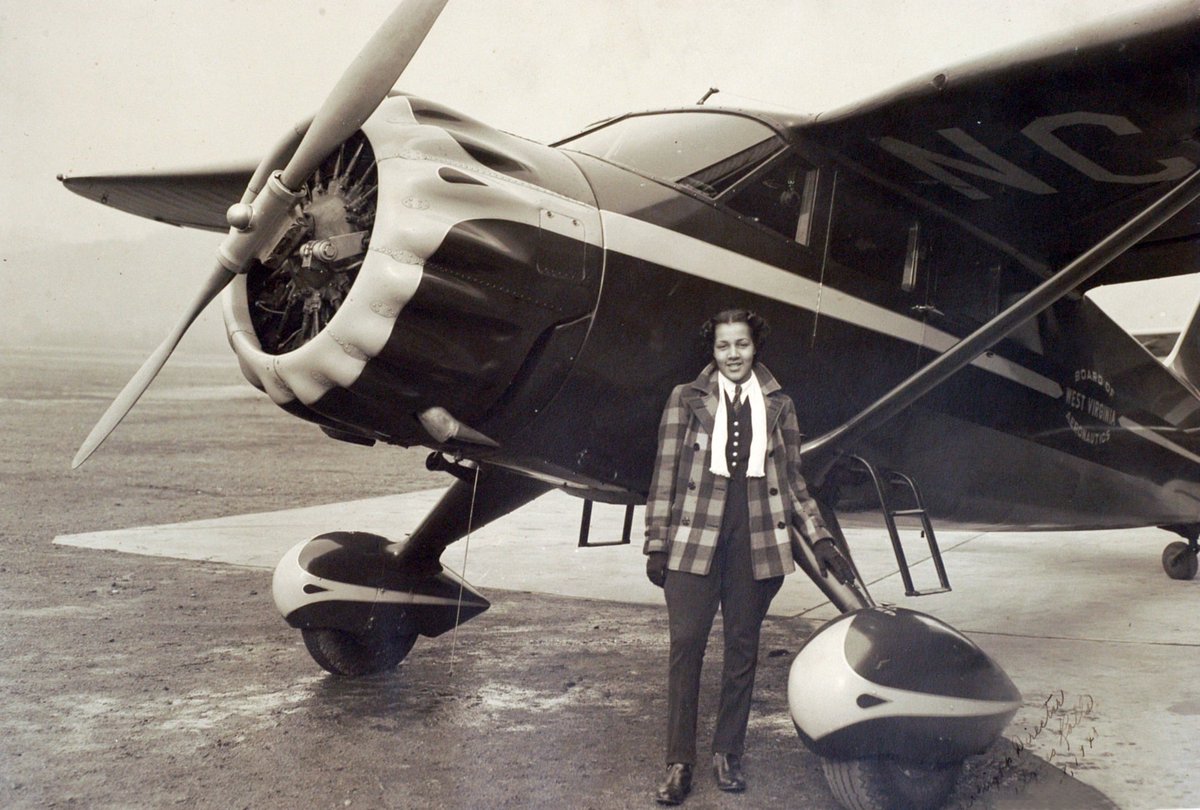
[{"x": 757, "y": 323}]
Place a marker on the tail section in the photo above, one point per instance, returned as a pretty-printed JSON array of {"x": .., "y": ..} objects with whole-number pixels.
[{"x": 1184, "y": 359}]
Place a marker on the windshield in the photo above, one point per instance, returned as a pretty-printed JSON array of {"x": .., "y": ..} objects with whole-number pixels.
[{"x": 705, "y": 151}]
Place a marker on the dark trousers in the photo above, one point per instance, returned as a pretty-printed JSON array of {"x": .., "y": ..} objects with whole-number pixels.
[{"x": 691, "y": 605}]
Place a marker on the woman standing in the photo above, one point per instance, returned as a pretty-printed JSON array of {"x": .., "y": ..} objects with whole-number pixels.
[{"x": 725, "y": 495}]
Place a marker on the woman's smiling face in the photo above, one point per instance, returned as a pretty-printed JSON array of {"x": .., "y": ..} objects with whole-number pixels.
[{"x": 733, "y": 350}]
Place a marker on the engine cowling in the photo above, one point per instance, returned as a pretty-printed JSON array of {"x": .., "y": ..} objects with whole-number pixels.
[{"x": 430, "y": 262}]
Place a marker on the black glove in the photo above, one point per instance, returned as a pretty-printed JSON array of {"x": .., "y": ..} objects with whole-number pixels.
[
  {"x": 656, "y": 567},
  {"x": 830, "y": 559}
]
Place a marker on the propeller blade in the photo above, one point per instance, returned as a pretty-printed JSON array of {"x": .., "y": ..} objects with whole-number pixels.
[
  {"x": 137, "y": 386},
  {"x": 358, "y": 92},
  {"x": 364, "y": 85}
]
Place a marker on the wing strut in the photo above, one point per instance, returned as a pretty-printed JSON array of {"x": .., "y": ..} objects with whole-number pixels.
[{"x": 999, "y": 327}]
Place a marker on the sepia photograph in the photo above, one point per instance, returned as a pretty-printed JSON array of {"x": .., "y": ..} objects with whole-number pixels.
[{"x": 600, "y": 404}]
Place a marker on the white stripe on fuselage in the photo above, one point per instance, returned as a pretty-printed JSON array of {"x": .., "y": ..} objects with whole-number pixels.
[
  {"x": 1149, "y": 434},
  {"x": 644, "y": 240},
  {"x": 686, "y": 254}
]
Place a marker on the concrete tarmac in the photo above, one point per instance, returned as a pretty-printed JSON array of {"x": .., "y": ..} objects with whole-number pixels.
[
  {"x": 1103, "y": 646},
  {"x": 163, "y": 678}
]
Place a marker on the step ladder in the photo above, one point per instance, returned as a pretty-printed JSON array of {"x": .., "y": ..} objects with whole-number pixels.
[{"x": 883, "y": 479}]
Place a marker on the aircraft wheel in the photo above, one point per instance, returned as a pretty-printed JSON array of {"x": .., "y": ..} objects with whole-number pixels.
[
  {"x": 1179, "y": 561},
  {"x": 877, "y": 783},
  {"x": 346, "y": 654}
]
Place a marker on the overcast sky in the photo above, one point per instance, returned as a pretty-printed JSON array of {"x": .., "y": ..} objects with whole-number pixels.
[{"x": 124, "y": 85}]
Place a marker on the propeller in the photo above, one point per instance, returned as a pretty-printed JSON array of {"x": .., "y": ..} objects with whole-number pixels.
[{"x": 257, "y": 223}]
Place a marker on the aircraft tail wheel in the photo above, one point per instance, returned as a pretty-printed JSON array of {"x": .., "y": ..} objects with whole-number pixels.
[
  {"x": 343, "y": 653},
  {"x": 878, "y": 783},
  {"x": 1179, "y": 561}
]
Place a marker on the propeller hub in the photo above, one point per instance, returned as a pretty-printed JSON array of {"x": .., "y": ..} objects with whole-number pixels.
[{"x": 298, "y": 288}]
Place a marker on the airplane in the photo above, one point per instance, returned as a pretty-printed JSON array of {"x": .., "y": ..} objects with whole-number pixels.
[{"x": 397, "y": 272}]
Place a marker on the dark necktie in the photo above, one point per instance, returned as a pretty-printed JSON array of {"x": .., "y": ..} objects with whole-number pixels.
[{"x": 737, "y": 396}]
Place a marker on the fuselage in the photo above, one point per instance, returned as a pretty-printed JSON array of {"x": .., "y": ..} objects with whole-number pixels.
[{"x": 548, "y": 299}]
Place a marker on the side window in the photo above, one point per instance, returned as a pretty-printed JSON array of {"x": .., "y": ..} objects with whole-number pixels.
[
  {"x": 872, "y": 235},
  {"x": 715, "y": 179},
  {"x": 970, "y": 283},
  {"x": 965, "y": 279},
  {"x": 780, "y": 197}
]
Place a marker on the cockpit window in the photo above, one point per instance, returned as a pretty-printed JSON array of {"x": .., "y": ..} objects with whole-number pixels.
[
  {"x": 780, "y": 197},
  {"x": 705, "y": 151}
]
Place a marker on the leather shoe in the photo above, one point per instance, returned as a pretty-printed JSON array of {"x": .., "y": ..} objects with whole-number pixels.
[
  {"x": 728, "y": 769},
  {"x": 676, "y": 786}
]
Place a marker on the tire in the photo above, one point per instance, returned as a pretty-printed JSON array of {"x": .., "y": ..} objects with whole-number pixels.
[
  {"x": 877, "y": 783},
  {"x": 348, "y": 655},
  {"x": 1179, "y": 561}
]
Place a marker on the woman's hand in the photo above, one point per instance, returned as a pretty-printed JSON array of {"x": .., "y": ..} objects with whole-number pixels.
[
  {"x": 656, "y": 567},
  {"x": 831, "y": 560}
]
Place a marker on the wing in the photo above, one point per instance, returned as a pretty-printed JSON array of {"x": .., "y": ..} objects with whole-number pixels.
[
  {"x": 1048, "y": 148},
  {"x": 191, "y": 199}
]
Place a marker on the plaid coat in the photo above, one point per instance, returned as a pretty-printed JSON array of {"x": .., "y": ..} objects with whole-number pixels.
[{"x": 683, "y": 511}]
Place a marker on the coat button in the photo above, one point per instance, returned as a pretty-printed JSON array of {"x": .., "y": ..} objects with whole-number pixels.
[
  {"x": 696, "y": 446},
  {"x": 774, "y": 491},
  {"x": 781, "y": 525},
  {"x": 691, "y": 484},
  {"x": 685, "y": 520}
]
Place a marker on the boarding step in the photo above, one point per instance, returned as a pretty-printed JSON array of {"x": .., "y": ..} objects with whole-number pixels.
[
  {"x": 885, "y": 479},
  {"x": 585, "y": 528}
]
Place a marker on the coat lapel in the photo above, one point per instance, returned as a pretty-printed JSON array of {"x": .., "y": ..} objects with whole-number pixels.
[
  {"x": 766, "y": 381},
  {"x": 774, "y": 408},
  {"x": 701, "y": 397}
]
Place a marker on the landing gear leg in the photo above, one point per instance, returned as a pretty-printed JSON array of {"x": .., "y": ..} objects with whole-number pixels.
[
  {"x": 469, "y": 502},
  {"x": 844, "y": 597},
  {"x": 1179, "y": 559}
]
